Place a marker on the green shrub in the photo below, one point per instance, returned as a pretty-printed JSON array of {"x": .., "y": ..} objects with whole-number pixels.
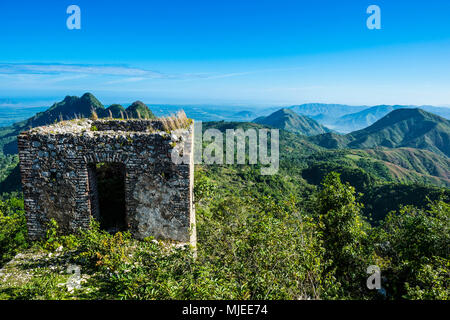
[
  {"x": 260, "y": 249},
  {"x": 13, "y": 230},
  {"x": 98, "y": 249},
  {"x": 432, "y": 281},
  {"x": 256, "y": 240},
  {"x": 415, "y": 244},
  {"x": 249, "y": 254}
]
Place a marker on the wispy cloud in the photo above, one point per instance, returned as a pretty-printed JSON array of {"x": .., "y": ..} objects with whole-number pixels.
[
  {"x": 121, "y": 73},
  {"x": 126, "y": 80},
  {"x": 128, "y": 74},
  {"x": 58, "y": 69}
]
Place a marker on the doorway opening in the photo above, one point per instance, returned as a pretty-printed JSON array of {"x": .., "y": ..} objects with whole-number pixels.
[{"x": 107, "y": 195}]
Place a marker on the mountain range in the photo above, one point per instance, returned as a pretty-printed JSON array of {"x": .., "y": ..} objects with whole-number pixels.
[
  {"x": 325, "y": 111},
  {"x": 345, "y": 118},
  {"x": 289, "y": 120},
  {"x": 414, "y": 128},
  {"x": 391, "y": 126},
  {"x": 412, "y": 144},
  {"x": 69, "y": 108}
]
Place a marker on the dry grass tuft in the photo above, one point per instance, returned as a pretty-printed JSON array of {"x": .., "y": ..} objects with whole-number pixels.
[
  {"x": 177, "y": 121},
  {"x": 94, "y": 115}
]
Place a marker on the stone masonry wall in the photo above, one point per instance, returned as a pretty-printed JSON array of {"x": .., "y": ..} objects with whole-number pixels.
[
  {"x": 57, "y": 182},
  {"x": 128, "y": 125}
]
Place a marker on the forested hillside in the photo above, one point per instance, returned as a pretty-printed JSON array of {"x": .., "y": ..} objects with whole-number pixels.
[
  {"x": 259, "y": 237},
  {"x": 412, "y": 128},
  {"x": 345, "y": 119},
  {"x": 338, "y": 204}
]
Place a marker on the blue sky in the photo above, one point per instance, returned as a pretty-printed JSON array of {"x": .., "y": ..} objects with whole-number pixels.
[{"x": 227, "y": 52}]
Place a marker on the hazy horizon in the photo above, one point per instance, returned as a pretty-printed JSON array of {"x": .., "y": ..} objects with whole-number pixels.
[{"x": 40, "y": 102}]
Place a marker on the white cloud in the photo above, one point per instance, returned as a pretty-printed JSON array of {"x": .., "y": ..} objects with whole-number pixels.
[
  {"x": 56, "y": 69},
  {"x": 130, "y": 74}
]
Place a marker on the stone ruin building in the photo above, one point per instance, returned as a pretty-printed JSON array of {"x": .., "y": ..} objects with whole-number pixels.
[{"x": 119, "y": 172}]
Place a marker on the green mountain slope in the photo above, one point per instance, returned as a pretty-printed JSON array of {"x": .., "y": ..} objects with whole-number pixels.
[
  {"x": 420, "y": 161},
  {"x": 287, "y": 119},
  {"x": 362, "y": 119},
  {"x": 303, "y": 165},
  {"x": 330, "y": 140},
  {"x": 69, "y": 108},
  {"x": 353, "y": 162},
  {"x": 344, "y": 118},
  {"x": 116, "y": 111},
  {"x": 413, "y": 128},
  {"x": 139, "y": 110},
  {"x": 402, "y": 165},
  {"x": 292, "y": 145}
]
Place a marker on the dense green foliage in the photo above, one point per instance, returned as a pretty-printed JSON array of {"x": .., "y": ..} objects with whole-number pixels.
[
  {"x": 256, "y": 248},
  {"x": 345, "y": 235},
  {"x": 382, "y": 199},
  {"x": 414, "y": 244},
  {"x": 12, "y": 228},
  {"x": 7, "y": 164},
  {"x": 253, "y": 243}
]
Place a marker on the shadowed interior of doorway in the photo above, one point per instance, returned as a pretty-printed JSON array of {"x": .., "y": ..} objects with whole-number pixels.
[{"x": 107, "y": 195}]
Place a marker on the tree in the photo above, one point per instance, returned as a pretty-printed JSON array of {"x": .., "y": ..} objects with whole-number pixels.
[
  {"x": 345, "y": 235},
  {"x": 416, "y": 243}
]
